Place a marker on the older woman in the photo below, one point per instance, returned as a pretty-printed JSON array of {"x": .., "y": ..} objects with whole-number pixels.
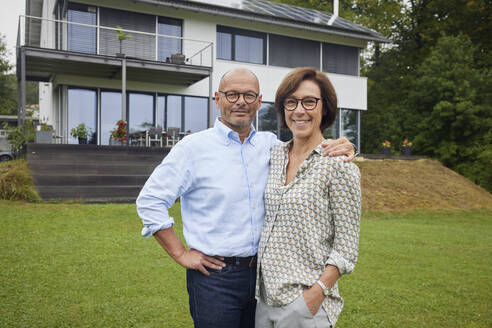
[{"x": 311, "y": 230}]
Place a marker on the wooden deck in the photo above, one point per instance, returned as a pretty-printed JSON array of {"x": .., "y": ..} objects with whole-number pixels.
[{"x": 91, "y": 173}]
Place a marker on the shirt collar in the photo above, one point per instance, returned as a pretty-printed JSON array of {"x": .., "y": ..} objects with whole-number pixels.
[
  {"x": 227, "y": 135},
  {"x": 289, "y": 144}
]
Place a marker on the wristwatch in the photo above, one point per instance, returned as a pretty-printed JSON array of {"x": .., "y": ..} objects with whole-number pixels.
[
  {"x": 326, "y": 291},
  {"x": 356, "y": 151}
]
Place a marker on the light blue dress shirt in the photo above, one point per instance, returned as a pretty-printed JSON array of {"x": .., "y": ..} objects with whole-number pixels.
[{"x": 221, "y": 182}]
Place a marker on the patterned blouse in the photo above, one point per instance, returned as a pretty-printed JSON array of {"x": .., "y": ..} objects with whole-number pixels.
[{"x": 310, "y": 223}]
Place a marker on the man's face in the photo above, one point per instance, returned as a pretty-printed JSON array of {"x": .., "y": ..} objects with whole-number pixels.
[{"x": 239, "y": 114}]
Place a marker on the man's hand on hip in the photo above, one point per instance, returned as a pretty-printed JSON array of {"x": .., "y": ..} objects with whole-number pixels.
[{"x": 193, "y": 259}]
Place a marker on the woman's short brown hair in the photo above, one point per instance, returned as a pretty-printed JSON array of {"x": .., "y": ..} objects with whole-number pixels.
[{"x": 292, "y": 81}]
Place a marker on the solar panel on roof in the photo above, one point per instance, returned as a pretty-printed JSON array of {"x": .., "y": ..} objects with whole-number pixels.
[{"x": 284, "y": 11}]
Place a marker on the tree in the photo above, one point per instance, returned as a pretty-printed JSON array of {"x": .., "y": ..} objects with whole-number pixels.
[
  {"x": 8, "y": 96},
  {"x": 452, "y": 100}
]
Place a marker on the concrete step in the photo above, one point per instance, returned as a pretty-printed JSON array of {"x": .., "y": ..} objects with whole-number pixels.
[
  {"x": 89, "y": 193},
  {"x": 45, "y": 180},
  {"x": 38, "y": 168}
]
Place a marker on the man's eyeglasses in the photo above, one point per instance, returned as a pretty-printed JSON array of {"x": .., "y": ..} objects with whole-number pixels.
[
  {"x": 308, "y": 103},
  {"x": 233, "y": 96}
]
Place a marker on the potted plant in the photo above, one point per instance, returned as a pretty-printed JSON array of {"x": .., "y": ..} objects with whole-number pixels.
[
  {"x": 407, "y": 147},
  {"x": 119, "y": 136},
  {"x": 121, "y": 36},
  {"x": 80, "y": 132},
  {"x": 386, "y": 147},
  {"x": 44, "y": 132}
]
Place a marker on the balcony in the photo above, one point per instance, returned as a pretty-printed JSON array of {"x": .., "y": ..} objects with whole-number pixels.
[{"x": 47, "y": 47}]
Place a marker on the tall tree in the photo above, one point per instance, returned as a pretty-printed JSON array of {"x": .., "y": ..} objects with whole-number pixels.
[
  {"x": 8, "y": 98},
  {"x": 452, "y": 102}
]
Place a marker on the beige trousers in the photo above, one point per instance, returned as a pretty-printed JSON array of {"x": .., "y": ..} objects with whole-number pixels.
[{"x": 293, "y": 315}]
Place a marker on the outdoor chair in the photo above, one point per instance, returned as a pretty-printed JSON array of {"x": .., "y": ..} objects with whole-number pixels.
[
  {"x": 137, "y": 139},
  {"x": 154, "y": 135},
  {"x": 172, "y": 136}
]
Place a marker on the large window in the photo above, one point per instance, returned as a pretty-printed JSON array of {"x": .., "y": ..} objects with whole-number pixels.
[
  {"x": 82, "y": 38},
  {"x": 82, "y": 108},
  {"x": 293, "y": 52},
  {"x": 196, "y": 113},
  {"x": 110, "y": 113},
  {"x": 144, "y": 111},
  {"x": 340, "y": 59},
  {"x": 141, "y": 112},
  {"x": 168, "y": 45},
  {"x": 241, "y": 45}
]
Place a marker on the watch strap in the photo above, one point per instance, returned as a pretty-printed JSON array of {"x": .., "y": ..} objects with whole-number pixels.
[{"x": 326, "y": 291}]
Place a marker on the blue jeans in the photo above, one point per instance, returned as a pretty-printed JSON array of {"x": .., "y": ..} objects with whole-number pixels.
[{"x": 225, "y": 299}]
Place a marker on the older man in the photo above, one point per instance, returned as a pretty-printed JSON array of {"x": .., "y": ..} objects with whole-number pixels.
[{"x": 220, "y": 175}]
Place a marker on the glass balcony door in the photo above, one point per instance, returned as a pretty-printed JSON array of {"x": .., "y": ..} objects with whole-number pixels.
[
  {"x": 168, "y": 46},
  {"x": 82, "y": 108},
  {"x": 110, "y": 113},
  {"x": 140, "y": 112}
]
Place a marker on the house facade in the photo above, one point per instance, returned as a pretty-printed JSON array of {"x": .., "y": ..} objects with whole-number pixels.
[{"x": 156, "y": 63}]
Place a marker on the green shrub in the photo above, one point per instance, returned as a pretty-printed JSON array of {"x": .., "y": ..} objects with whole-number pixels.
[{"x": 16, "y": 182}]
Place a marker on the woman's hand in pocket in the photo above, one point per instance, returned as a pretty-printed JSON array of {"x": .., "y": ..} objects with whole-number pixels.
[{"x": 313, "y": 297}]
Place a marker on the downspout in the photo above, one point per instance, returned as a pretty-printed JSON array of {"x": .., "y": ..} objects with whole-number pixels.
[{"x": 335, "y": 12}]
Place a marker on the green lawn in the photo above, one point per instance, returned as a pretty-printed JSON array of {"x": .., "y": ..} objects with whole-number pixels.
[{"x": 77, "y": 265}]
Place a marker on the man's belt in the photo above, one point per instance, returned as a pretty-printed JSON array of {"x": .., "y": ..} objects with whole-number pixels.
[{"x": 249, "y": 261}]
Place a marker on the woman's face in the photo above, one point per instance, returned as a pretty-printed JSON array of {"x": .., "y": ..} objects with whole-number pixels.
[{"x": 305, "y": 123}]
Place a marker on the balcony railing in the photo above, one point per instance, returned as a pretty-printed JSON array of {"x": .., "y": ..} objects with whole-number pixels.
[{"x": 102, "y": 40}]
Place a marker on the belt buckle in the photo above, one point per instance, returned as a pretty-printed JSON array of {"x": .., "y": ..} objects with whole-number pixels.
[{"x": 251, "y": 261}]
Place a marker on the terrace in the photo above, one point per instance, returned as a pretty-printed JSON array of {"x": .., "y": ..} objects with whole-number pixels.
[{"x": 50, "y": 48}]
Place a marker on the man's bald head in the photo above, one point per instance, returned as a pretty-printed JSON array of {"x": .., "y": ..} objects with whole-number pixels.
[{"x": 239, "y": 74}]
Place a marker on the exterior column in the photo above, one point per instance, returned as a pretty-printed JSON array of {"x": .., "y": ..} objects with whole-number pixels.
[
  {"x": 21, "y": 88},
  {"x": 123, "y": 89},
  {"x": 211, "y": 90}
]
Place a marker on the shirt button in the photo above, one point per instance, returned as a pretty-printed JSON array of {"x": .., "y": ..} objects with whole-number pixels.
[
  {"x": 246, "y": 164},
  {"x": 253, "y": 207},
  {"x": 252, "y": 185}
]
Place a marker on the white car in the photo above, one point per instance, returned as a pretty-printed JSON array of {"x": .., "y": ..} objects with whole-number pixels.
[{"x": 6, "y": 156}]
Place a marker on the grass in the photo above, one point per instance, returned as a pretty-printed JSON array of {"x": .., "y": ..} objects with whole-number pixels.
[
  {"x": 79, "y": 265},
  {"x": 16, "y": 182}
]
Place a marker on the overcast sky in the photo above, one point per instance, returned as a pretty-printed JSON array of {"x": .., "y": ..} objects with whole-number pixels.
[{"x": 9, "y": 18}]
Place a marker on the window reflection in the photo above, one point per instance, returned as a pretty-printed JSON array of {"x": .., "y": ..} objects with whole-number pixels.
[
  {"x": 268, "y": 119},
  {"x": 349, "y": 124},
  {"x": 82, "y": 108},
  {"x": 141, "y": 112},
  {"x": 160, "y": 116},
  {"x": 196, "y": 110},
  {"x": 174, "y": 111},
  {"x": 110, "y": 114},
  {"x": 215, "y": 111}
]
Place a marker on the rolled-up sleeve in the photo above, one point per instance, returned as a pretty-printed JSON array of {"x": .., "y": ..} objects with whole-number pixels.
[
  {"x": 170, "y": 180},
  {"x": 345, "y": 208}
]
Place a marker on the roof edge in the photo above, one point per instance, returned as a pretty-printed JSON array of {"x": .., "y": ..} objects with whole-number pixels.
[{"x": 238, "y": 13}]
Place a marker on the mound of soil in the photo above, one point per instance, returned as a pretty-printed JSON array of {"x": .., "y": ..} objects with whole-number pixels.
[{"x": 398, "y": 185}]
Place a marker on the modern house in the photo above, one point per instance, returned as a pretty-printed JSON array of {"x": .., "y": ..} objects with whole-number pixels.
[{"x": 165, "y": 68}]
